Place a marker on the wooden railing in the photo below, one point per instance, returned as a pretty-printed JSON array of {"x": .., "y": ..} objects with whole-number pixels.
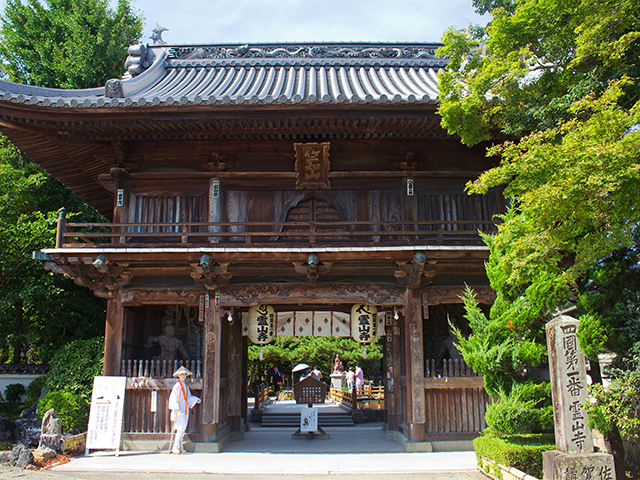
[
  {"x": 350, "y": 398},
  {"x": 447, "y": 368},
  {"x": 157, "y": 368},
  {"x": 261, "y": 395},
  {"x": 269, "y": 232}
]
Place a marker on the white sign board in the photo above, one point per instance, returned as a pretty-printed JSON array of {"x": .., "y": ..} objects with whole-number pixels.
[
  {"x": 308, "y": 419},
  {"x": 105, "y": 417}
]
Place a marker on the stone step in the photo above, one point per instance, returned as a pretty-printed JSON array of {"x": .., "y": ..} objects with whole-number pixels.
[{"x": 293, "y": 419}]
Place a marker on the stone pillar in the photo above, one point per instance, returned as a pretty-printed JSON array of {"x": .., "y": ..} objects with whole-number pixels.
[
  {"x": 211, "y": 371},
  {"x": 573, "y": 458},
  {"x": 416, "y": 415},
  {"x": 113, "y": 336}
]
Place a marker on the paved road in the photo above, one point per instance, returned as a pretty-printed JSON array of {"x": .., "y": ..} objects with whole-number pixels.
[{"x": 8, "y": 473}]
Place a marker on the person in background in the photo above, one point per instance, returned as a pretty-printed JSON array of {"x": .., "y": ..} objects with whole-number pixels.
[
  {"x": 316, "y": 373},
  {"x": 359, "y": 374},
  {"x": 180, "y": 402},
  {"x": 350, "y": 379},
  {"x": 277, "y": 380}
]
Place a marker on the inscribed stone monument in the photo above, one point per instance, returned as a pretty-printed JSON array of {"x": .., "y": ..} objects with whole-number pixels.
[{"x": 573, "y": 458}]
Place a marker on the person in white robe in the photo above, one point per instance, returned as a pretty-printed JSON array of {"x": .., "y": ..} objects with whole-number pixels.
[{"x": 180, "y": 402}]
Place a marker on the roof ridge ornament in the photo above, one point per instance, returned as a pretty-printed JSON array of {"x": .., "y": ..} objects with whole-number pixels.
[
  {"x": 369, "y": 52},
  {"x": 156, "y": 35}
]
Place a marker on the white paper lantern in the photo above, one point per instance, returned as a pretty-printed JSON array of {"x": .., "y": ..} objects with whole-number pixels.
[
  {"x": 364, "y": 323},
  {"x": 262, "y": 323}
]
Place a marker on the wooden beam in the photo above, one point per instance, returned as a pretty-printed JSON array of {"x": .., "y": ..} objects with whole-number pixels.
[{"x": 291, "y": 294}]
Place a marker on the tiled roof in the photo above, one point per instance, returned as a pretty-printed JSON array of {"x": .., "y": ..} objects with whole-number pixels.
[{"x": 162, "y": 75}]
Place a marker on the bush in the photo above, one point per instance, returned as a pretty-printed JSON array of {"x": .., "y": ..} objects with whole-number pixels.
[
  {"x": 523, "y": 452},
  {"x": 71, "y": 408},
  {"x": 13, "y": 392},
  {"x": 11, "y": 411},
  {"x": 74, "y": 366},
  {"x": 526, "y": 409},
  {"x": 34, "y": 389}
]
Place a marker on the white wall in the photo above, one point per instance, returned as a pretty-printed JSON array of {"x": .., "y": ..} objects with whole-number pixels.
[{"x": 8, "y": 379}]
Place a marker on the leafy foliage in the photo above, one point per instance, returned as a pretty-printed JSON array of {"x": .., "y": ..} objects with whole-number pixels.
[
  {"x": 63, "y": 44},
  {"x": 38, "y": 310},
  {"x": 71, "y": 408},
  {"x": 287, "y": 352},
  {"x": 74, "y": 365},
  {"x": 618, "y": 405},
  {"x": 13, "y": 392},
  {"x": 533, "y": 61},
  {"x": 526, "y": 409},
  {"x": 34, "y": 389},
  {"x": 503, "y": 347},
  {"x": 563, "y": 76},
  {"x": 66, "y": 43}
]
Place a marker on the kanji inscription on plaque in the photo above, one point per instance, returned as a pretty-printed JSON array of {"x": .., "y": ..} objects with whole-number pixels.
[{"x": 312, "y": 166}]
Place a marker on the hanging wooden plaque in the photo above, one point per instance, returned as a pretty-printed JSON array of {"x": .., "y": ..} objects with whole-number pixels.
[{"x": 312, "y": 166}]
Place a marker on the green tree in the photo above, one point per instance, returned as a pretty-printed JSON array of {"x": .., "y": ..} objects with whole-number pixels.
[
  {"x": 559, "y": 80},
  {"x": 66, "y": 43},
  {"x": 287, "y": 352},
  {"x": 38, "y": 310}
]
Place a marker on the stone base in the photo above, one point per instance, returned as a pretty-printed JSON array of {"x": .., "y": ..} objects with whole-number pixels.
[
  {"x": 579, "y": 466},
  {"x": 338, "y": 380},
  {"x": 41, "y": 455}
]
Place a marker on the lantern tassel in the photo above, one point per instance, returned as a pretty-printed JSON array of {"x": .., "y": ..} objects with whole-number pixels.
[
  {"x": 364, "y": 352},
  {"x": 261, "y": 355}
]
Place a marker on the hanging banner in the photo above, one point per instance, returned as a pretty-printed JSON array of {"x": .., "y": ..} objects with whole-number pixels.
[
  {"x": 262, "y": 323},
  {"x": 364, "y": 322}
]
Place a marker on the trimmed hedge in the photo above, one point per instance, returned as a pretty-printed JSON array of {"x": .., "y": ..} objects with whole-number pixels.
[{"x": 523, "y": 452}]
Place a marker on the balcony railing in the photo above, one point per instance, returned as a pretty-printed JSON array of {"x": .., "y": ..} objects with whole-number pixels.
[{"x": 268, "y": 233}]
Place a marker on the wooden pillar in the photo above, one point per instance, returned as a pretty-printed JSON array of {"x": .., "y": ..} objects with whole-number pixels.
[
  {"x": 234, "y": 374},
  {"x": 393, "y": 371},
  {"x": 245, "y": 373},
  {"x": 211, "y": 371},
  {"x": 414, "y": 354},
  {"x": 113, "y": 336}
]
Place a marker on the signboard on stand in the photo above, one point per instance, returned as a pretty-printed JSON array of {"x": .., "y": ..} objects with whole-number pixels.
[
  {"x": 308, "y": 420},
  {"x": 105, "y": 418}
]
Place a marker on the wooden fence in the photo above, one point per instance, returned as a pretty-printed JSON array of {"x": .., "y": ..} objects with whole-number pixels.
[
  {"x": 455, "y": 400},
  {"x": 149, "y": 384}
]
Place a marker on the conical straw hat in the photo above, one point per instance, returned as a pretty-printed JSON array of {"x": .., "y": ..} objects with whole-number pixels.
[{"x": 182, "y": 370}]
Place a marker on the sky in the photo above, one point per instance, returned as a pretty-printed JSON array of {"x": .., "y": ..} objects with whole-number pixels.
[{"x": 272, "y": 21}]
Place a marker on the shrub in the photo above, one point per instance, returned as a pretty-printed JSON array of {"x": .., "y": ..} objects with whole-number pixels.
[
  {"x": 74, "y": 365},
  {"x": 13, "y": 392},
  {"x": 526, "y": 409},
  {"x": 72, "y": 409},
  {"x": 34, "y": 389},
  {"x": 523, "y": 452},
  {"x": 618, "y": 405}
]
